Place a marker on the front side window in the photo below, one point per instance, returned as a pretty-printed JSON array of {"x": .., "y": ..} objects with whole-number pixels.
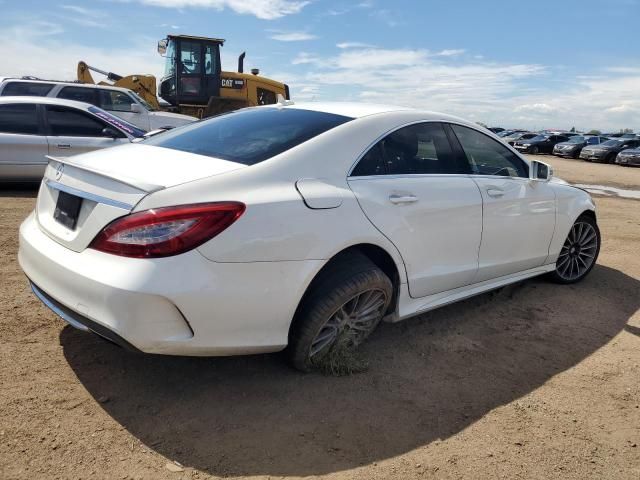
[
  {"x": 487, "y": 156},
  {"x": 19, "y": 118},
  {"x": 417, "y": 149},
  {"x": 26, "y": 89},
  {"x": 79, "y": 94},
  {"x": 249, "y": 136},
  {"x": 68, "y": 122},
  {"x": 115, "y": 101},
  {"x": 190, "y": 57}
]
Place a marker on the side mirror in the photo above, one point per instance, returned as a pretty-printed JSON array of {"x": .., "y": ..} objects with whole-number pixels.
[
  {"x": 162, "y": 46},
  {"x": 136, "y": 108},
  {"x": 110, "y": 133},
  {"x": 540, "y": 171}
]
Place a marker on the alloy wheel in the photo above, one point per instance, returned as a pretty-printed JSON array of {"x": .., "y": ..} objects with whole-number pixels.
[
  {"x": 578, "y": 252},
  {"x": 351, "y": 323}
]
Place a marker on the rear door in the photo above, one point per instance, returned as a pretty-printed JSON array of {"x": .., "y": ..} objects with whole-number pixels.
[
  {"x": 518, "y": 213},
  {"x": 23, "y": 147},
  {"x": 419, "y": 195},
  {"x": 72, "y": 131}
]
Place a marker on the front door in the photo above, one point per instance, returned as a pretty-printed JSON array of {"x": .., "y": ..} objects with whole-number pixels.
[
  {"x": 418, "y": 194},
  {"x": 518, "y": 214},
  {"x": 73, "y": 131}
]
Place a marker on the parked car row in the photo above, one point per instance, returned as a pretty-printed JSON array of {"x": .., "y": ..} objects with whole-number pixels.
[{"x": 620, "y": 148}]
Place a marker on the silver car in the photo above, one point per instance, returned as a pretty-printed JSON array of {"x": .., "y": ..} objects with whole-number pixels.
[{"x": 31, "y": 128}]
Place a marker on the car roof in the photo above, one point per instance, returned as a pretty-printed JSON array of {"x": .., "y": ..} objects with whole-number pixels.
[
  {"x": 347, "y": 109},
  {"x": 359, "y": 110},
  {"x": 45, "y": 101},
  {"x": 4, "y": 80}
]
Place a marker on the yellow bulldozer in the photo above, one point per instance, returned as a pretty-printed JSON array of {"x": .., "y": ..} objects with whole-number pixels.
[{"x": 193, "y": 82}]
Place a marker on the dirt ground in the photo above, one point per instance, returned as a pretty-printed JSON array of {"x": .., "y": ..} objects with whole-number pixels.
[{"x": 533, "y": 381}]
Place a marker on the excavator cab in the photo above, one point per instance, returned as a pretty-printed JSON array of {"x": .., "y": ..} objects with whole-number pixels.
[{"x": 192, "y": 69}]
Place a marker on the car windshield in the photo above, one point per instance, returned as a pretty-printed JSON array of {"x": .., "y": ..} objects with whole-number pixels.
[
  {"x": 251, "y": 135},
  {"x": 612, "y": 143},
  {"x": 146, "y": 104},
  {"x": 117, "y": 122},
  {"x": 576, "y": 139},
  {"x": 539, "y": 138}
]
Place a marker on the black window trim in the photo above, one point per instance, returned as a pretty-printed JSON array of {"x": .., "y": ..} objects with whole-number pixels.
[
  {"x": 526, "y": 164},
  {"x": 445, "y": 127}
]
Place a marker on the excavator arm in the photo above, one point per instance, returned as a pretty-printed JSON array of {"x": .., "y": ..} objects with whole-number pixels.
[{"x": 143, "y": 85}]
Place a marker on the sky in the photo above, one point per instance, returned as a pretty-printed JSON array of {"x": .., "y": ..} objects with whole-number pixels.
[{"x": 542, "y": 64}]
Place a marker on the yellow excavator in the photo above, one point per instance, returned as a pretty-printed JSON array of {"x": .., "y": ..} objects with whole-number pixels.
[{"x": 193, "y": 82}]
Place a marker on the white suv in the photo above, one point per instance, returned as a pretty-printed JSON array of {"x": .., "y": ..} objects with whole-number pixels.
[{"x": 120, "y": 102}]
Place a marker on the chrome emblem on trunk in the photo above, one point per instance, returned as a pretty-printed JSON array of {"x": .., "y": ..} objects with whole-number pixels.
[{"x": 59, "y": 171}]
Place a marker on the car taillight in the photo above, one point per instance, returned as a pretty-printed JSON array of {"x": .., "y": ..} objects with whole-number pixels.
[{"x": 164, "y": 232}]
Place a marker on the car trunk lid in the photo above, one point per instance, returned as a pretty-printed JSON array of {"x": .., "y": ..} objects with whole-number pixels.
[{"x": 80, "y": 195}]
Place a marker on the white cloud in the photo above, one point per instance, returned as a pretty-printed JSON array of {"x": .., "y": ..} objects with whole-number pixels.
[
  {"x": 263, "y": 9},
  {"x": 345, "y": 45},
  {"x": 450, "y": 53},
  {"x": 292, "y": 36}
]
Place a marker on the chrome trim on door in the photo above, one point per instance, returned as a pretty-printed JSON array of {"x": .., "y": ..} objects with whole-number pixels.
[{"x": 86, "y": 195}]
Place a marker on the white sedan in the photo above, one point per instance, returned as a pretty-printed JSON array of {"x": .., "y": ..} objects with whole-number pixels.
[
  {"x": 295, "y": 226},
  {"x": 31, "y": 128}
]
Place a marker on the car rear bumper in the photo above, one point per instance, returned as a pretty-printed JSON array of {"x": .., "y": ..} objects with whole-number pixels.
[{"x": 183, "y": 305}]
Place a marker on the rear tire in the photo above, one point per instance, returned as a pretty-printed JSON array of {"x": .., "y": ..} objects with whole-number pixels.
[
  {"x": 343, "y": 305},
  {"x": 579, "y": 252}
]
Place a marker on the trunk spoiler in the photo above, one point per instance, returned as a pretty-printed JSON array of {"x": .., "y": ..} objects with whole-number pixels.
[{"x": 132, "y": 182}]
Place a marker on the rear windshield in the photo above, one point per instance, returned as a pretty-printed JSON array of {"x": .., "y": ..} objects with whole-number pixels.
[{"x": 249, "y": 136}]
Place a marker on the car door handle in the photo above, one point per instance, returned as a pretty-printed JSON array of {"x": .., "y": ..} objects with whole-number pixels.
[
  {"x": 65, "y": 146},
  {"x": 399, "y": 199},
  {"x": 494, "y": 192}
]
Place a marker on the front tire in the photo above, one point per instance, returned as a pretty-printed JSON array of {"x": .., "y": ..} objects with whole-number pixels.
[
  {"x": 611, "y": 158},
  {"x": 343, "y": 306},
  {"x": 535, "y": 150},
  {"x": 579, "y": 252}
]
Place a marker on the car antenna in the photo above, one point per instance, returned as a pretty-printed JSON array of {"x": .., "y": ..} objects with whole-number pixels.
[{"x": 283, "y": 101}]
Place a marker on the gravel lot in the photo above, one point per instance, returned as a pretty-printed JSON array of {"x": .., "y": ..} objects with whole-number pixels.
[{"x": 533, "y": 381}]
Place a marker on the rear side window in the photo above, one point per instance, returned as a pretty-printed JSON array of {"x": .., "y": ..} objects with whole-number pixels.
[
  {"x": 19, "y": 118},
  {"x": 486, "y": 156},
  {"x": 26, "y": 88},
  {"x": 249, "y": 136},
  {"x": 79, "y": 94},
  {"x": 417, "y": 149},
  {"x": 69, "y": 122}
]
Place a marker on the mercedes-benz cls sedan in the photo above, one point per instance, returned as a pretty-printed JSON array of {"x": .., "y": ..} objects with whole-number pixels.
[
  {"x": 608, "y": 151},
  {"x": 296, "y": 227}
]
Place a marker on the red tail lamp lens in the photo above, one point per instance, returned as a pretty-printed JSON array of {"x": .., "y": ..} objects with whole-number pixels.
[{"x": 165, "y": 232}]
